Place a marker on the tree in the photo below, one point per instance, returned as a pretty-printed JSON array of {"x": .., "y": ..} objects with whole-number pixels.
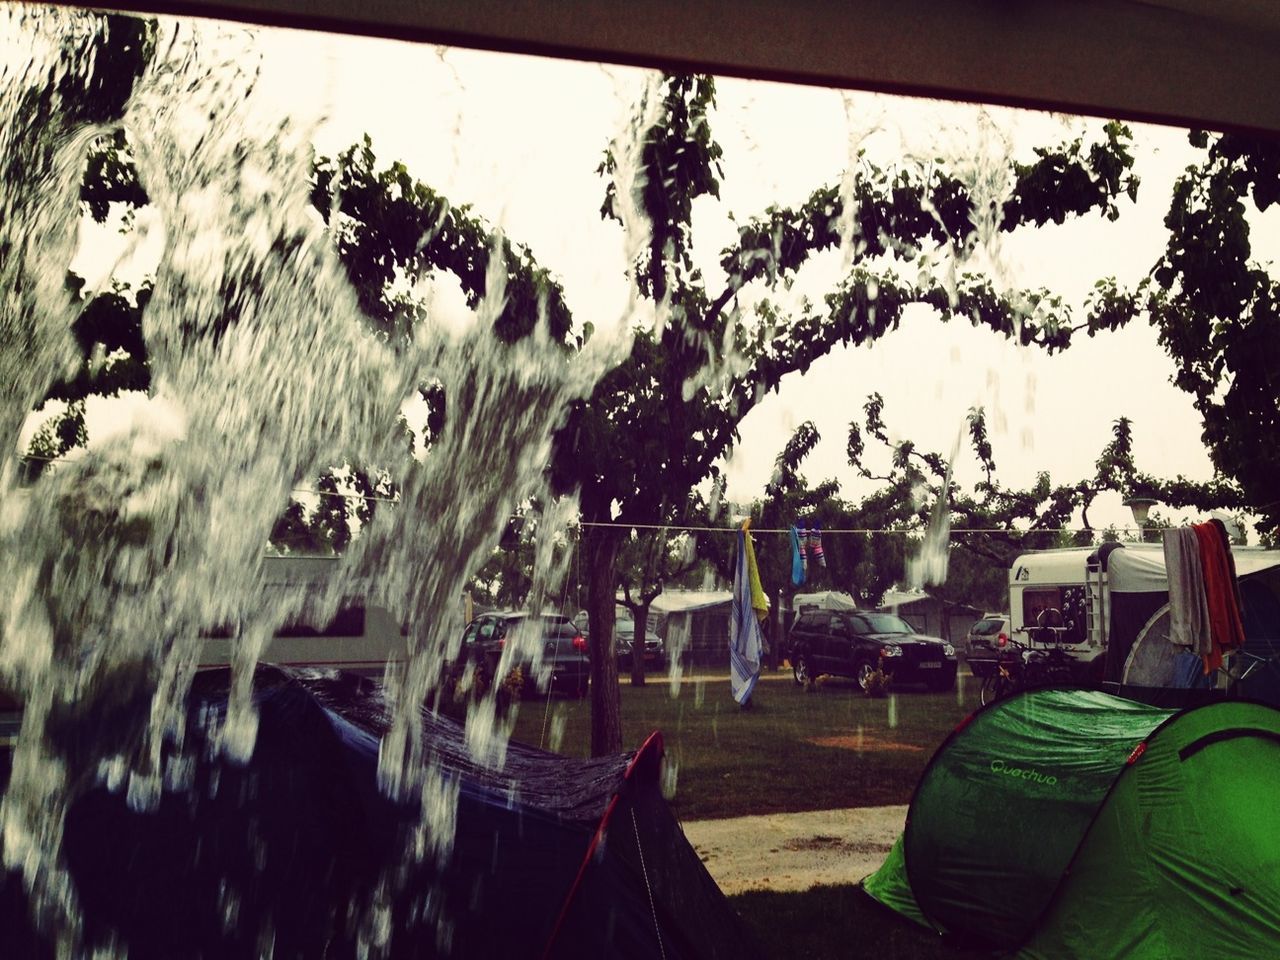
[
  {"x": 1217, "y": 313},
  {"x": 986, "y": 528},
  {"x": 648, "y": 561},
  {"x": 864, "y": 565},
  {"x": 656, "y": 426}
]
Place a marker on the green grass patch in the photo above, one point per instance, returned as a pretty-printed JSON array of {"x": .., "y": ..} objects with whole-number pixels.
[
  {"x": 793, "y": 750},
  {"x": 838, "y": 922}
]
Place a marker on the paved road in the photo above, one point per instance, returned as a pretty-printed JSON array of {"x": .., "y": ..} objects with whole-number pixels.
[{"x": 795, "y": 851}]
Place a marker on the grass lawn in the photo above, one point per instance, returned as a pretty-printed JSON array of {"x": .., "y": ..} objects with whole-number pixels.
[
  {"x": 793, "y": 750},
  {"x": 838, "y": 922}
]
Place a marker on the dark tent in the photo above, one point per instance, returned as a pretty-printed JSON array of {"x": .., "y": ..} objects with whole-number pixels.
[
  {"x": 1141, "y": 663},
  {"x": 552, "y": 856},
  {"x": 1061, "y": 824}
]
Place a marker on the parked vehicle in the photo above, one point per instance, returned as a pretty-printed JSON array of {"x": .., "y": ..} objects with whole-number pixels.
[
  {"x": 624, "y": 633},
  {"x": 563, "y": 666},
  {"x": 1112, "y": 606},
  {"x": 358, "y": 637},
  {"x": 987, "y": 639},
  {"x": 857, "y": 644}
]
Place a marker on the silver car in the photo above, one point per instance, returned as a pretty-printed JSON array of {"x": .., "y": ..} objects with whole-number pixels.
[
  {"x": 624, "y": 633},
  {"x": 986, "y": 639}
]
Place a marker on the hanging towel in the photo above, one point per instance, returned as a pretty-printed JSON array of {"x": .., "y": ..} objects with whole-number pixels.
[
  {"x": 1225, "y": 625},
  {"x": 1231, "y": 561},
  {"x": 750, "y": 607},
  {"x": 797, "y": 559},
  {"x": 802, "y": 540},
  {"x": 1188, "y": 610}
]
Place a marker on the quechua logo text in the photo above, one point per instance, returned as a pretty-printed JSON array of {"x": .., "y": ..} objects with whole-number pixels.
[{"x": 1007, "y": 769}]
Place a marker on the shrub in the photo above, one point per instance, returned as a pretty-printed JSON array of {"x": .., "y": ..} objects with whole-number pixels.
[{"x": 878, "y": 683}]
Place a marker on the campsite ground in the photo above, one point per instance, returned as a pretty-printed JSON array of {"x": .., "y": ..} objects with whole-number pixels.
[
  {"x": 816, "y": 783},
  {"x": 794, "y": 750},
  {"x": 835, "y": 923}
]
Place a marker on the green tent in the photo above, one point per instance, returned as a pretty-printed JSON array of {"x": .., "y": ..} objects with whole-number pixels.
[{"x": 1070, "y": 823}]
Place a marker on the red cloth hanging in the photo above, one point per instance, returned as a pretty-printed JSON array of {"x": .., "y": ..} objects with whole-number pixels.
[{"x": 1225, "y": 626}]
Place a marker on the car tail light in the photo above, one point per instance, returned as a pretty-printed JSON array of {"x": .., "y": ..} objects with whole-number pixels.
[
  {"x": 1002, "y": 640},
  {"x": 580, "y": 643}
]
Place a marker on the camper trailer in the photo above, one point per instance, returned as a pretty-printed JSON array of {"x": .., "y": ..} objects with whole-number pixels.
[
  {"x": 1113, "y": 599},
  {"x": 1070, "y": 581},
  {"x": 359, "y": 638}
]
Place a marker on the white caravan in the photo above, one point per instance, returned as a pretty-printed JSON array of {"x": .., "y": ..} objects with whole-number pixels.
[
  {"x": 1083, "y": 582},
  {"x": 359, "y": 638},
  {"x": 1064, "y": 580}
]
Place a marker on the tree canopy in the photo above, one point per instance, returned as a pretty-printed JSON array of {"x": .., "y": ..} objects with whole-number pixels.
[
  {"x": 657, "y": 426},
  {"x": 1217, "y": 313}
]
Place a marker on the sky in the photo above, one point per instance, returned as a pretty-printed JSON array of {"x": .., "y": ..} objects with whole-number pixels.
[{"x": 519, "y": 139}]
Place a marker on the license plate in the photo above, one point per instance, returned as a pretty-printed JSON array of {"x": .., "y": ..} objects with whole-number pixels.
[{"x": 930, "y": 666}]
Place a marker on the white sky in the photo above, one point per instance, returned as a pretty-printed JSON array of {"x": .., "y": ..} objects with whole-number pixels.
[{"x": 519, "y": 138}]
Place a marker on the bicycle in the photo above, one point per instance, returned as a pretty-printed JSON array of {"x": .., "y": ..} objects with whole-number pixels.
[
  {"x": 1242, "y": 664},
  {"x": 1023, "y": 667}
]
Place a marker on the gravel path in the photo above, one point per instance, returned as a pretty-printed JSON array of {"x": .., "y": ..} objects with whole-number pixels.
[{"x": 795, "y": 851}]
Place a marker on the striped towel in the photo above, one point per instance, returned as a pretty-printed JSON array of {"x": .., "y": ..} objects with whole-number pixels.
[{"x": 750, "y": 607}]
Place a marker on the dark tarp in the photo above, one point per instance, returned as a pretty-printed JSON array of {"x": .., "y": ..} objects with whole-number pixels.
[
  {"x": 553, "y": 856},
  {"x": 1060, "y": 824}
]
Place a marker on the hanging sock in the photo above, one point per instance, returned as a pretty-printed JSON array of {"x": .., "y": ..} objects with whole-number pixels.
[
  {"x": 815, "y": 543},
  {"x": 797, "y": 558},
  {"x": 802, "y": 538}
]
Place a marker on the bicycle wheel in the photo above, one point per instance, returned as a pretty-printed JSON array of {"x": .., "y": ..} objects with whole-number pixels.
[{"x": 997, "y": 684}]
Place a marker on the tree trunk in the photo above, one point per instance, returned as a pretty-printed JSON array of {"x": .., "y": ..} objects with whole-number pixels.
[
  {"x": 775, "y": 630},
  {"x": 600, "y": 550},
  {"x": 641, "y": 617}
]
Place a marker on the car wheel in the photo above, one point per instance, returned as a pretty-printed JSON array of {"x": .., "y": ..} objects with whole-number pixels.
[
  {"x": 800, "y": 670},
  {"x": 862, "y": 673}
]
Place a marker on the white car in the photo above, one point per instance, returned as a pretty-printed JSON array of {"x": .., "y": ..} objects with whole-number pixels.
[{"x": 985, "y": 641}]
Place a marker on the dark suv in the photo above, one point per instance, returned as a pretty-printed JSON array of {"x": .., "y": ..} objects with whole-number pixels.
[
  {"x": 855, "y": 644},
  {"x": 564, "y": 663}
]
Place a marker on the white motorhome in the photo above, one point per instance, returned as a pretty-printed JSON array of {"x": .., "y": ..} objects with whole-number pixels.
[
  {"x": 359, "y": 638},
  {"x": 1115, "y": 588},
  {"x": 1067, "y": 581}
]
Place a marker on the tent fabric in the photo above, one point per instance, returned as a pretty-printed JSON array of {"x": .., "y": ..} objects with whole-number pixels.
[
  {"x": 823, "y": 600},
  {"x": 1139, "y": 568},
  {"x": 1137, "y": 595},
  {"x": 1068, "y": 823},
  {"x": 551, "y": 856},
  {"x": 689, "y": 601}
]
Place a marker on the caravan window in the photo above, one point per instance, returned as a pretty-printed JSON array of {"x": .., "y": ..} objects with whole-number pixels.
[
  {"x": 1069, "y": 601},
  {"x": 1035, "y": 602},
  {"x": 222, "y": 631},
  {"x": 347, "y": 622}
]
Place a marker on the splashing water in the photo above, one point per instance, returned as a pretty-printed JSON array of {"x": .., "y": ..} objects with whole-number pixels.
[
  {"x": 929, "y": 565},
  {"x": 981, "y": 161},
  {"x": 270, "y": 372},
  {"x": 861, "y": 124}
]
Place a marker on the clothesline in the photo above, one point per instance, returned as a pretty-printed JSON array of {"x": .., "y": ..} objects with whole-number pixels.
[
  {"x": 707, "y": 529},
  {"x": 855, "y": 530}
]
